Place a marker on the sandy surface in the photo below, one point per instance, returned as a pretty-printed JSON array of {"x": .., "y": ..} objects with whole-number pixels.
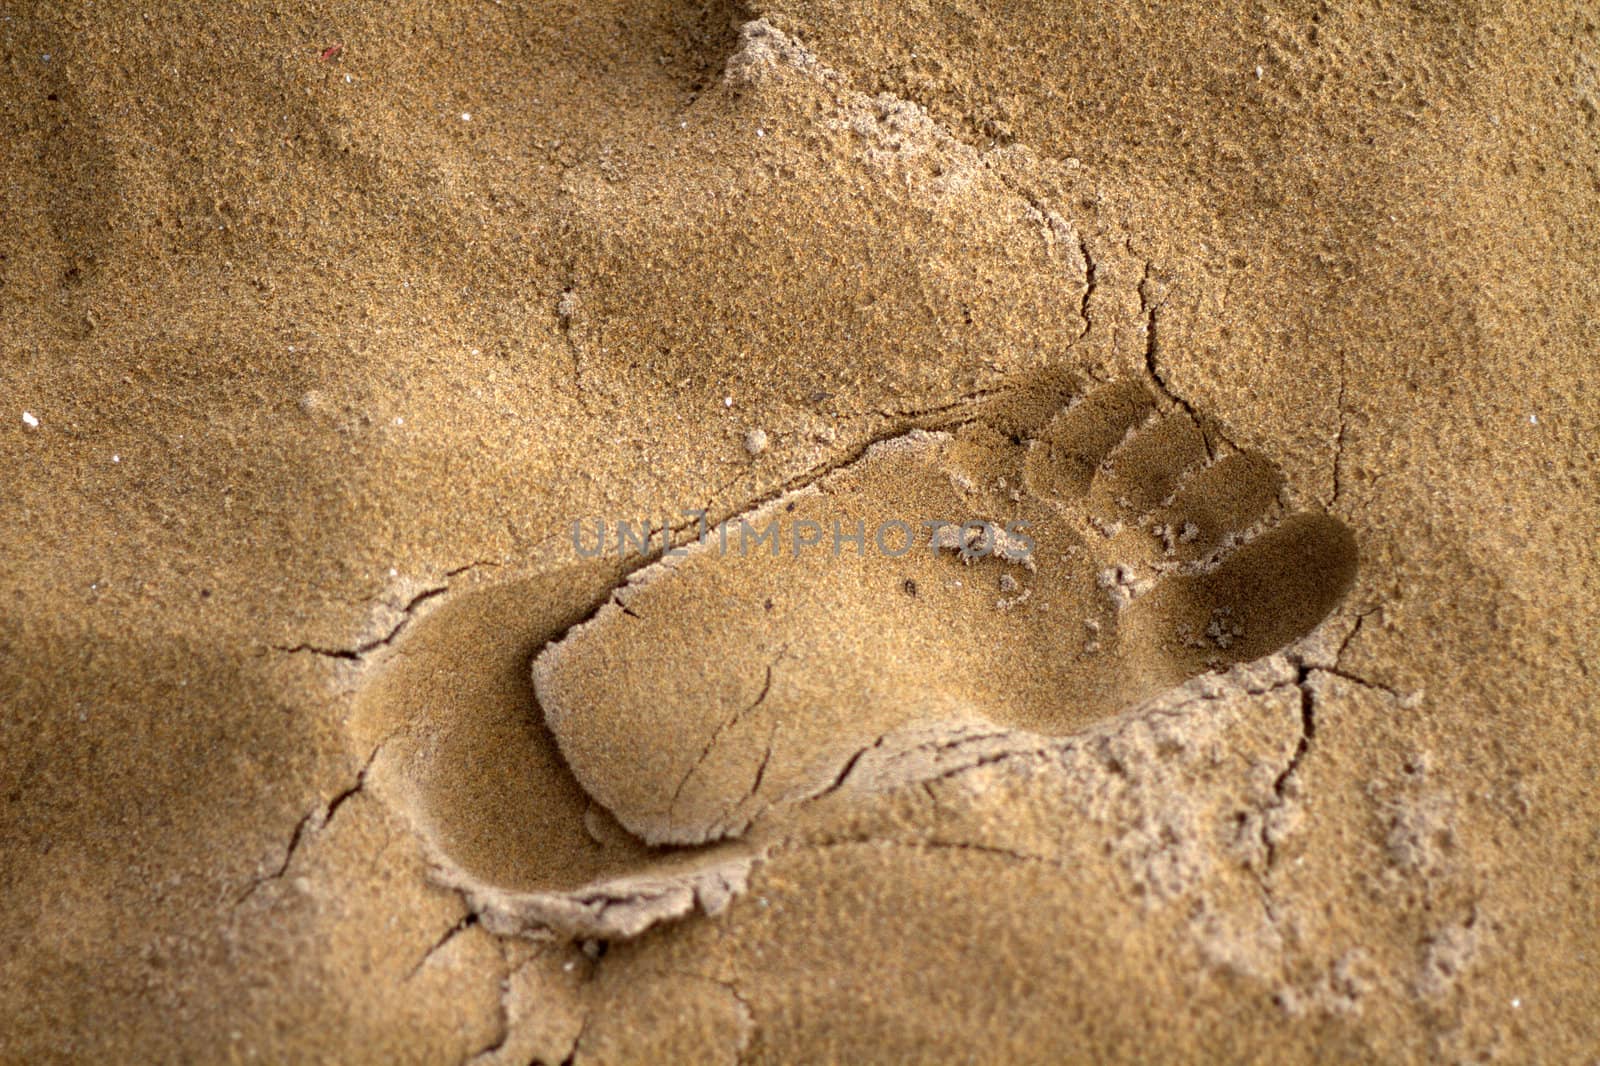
[{"x": 322, "y": 741}]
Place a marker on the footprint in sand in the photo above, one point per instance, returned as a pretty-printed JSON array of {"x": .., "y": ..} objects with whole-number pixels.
[{"x": 719, "y": 686}]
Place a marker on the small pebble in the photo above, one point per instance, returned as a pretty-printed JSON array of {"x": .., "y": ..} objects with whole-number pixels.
[
  {"x": 755, "y": 441},
  {"x": 29, "y": 421}
]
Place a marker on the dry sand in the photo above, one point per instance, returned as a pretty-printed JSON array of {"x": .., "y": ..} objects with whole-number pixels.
[{"x": 319, "y": 326}]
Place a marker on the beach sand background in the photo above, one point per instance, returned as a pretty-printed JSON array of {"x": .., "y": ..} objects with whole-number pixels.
[{"x": 319, "y": 325}]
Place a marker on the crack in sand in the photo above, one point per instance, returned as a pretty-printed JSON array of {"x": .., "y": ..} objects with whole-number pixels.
[
  {"x": 407, "y": 612},
  {"x": 1091, "y": 278},
  {"x": 1153, "y": 368},
  {"x": 847, "y": 768},
  {"x": 1046, "y": 214},
  {"x": 1308, "y": 732},
  {"x": 1344, "y": 645},
  {"x": 315, "y": 819},
  {"x": 1023, "y": 745},
  {"x": 1405, "y": 700},
  {"x": 761, "y": 771},
  {"x": 934, "y": 418},
  {"x": 729, "y": 723},
  {"x": 931, "y": 419},
  {"x": 501, "y": 1036},
  {"x": 1305, "y": 681},
  {"x": 465, "y": 922}
]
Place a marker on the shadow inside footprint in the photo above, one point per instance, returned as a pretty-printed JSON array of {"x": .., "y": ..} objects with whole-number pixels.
[
  {"x": 1107, "y": 556},
  {"x": 468, "y": 759},
  {"x": 481, "y": 775}
]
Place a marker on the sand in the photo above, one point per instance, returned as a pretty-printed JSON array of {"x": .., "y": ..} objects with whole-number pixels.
[{"x": 323, "y": 741}]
